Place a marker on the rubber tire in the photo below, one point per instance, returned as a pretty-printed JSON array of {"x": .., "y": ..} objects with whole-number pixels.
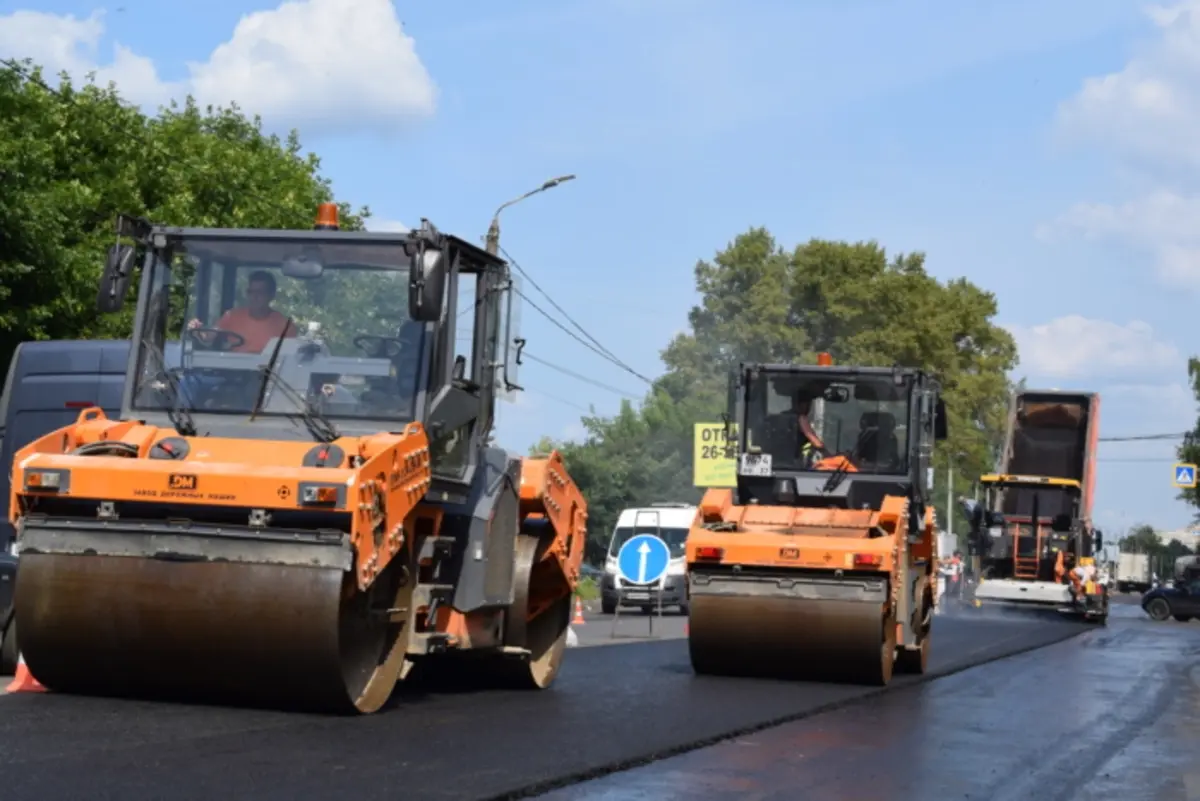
[
  {"x": 9, "y": 650},
  {"x": 608, "y": 607},
  {"x": 915, "y": 662},
  {"x": 1182, "y": 618},
  {"x": 1158, "y": 610}
]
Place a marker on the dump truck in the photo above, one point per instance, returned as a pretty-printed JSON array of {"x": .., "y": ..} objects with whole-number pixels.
[
  {"x": 1035, "y": 523},
  {"x": 819, "y": 564},
  {"x": 305, "y": 521}
]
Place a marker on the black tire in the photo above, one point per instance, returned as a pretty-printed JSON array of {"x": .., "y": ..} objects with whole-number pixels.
[
  {"x": 9, "y": 650},
  {"x": 1182, "y": 618},
  {"x": 1158, "y": 610},
  {"x": 608, "y": 607}
]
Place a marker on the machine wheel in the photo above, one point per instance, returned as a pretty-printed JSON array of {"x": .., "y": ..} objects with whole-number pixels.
[
  {"x": 545, "y": 634},
  {"x": 1158, "y": 610},
  {"x": 887, "y": 655},
  {"x": 608, "y": 607},
  {"x": 9, "y": 650},
  {"x": 917, "y": 661},
  {"x": 1183, "y": 618}
]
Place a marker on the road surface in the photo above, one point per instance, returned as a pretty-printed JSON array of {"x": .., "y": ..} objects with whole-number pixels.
[
  {"x": 612, "y": 707},
  {"x": 1110, "y": 714}
]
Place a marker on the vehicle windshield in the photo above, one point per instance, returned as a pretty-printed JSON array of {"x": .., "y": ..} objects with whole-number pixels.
[
  {"x": 802, "y": 420},
  {"x": 219, "y": 306},
  {"x": 675, "y": 538},
  {"x": 1017, "y": 500}
]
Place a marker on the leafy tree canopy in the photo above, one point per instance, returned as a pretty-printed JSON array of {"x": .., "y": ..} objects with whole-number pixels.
[
  {"x": 762, "y": 302},
  {"x": 1189, "y": 451},
  {"x": 73, "y": 158}
]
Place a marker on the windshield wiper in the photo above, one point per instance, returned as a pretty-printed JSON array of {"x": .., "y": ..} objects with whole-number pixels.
[
  {"x": 177, "y": 412},
  {"x": 318, "y": 425},
  {"x": 842, "y": 469}
]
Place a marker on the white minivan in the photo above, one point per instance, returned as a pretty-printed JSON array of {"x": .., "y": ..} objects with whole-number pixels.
[{"x": 669, "y": 522}]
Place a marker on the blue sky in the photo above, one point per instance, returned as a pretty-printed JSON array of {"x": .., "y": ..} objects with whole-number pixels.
[{"x": 1044, "y": 150}]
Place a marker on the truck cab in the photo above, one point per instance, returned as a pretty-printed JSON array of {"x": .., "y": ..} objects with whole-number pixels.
[{"x": 669, "y": 522}]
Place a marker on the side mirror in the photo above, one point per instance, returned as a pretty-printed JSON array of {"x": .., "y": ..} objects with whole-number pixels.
[
  {"x": 426, "y": 285},
  {"x": 1061, "y": 523},
  {"x": 1097, "y": 541},
  {"x": 114, "y": 281},
  {"x": 940, "y": 429}
]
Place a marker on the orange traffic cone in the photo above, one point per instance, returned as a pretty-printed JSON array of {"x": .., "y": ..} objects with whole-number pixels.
[
  {"x": 23, "y": 681},
  {"x": 578, "y": 621}
]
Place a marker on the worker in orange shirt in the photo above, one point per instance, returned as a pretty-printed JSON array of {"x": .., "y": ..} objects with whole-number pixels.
[{"x": 256, "y": 322}]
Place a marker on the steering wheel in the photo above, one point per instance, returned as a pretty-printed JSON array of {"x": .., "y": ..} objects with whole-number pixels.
[
  {"x": 215, "y": 337},
  {"x": 377, "y": 347}
]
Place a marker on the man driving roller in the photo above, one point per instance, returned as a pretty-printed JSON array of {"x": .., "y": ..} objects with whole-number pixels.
[
  {"x": 256, "y": 322},
  {"x": 812, "y": 449}
]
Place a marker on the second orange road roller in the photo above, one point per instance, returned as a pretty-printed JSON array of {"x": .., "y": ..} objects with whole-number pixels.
[
  {"x": 299, "y": 503},
  {"x": 819, "y": 564}
]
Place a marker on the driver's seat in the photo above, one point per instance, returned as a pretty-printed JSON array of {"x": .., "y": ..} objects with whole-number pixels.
[{"x": 879, "y": 446}]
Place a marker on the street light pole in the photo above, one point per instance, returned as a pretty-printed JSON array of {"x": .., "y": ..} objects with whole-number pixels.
[{"x": 493, "y": 234}]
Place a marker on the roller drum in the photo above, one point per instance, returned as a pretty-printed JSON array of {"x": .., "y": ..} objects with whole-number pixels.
[
  {"x": 787, "y": 629},
  {"x": 204, "y": 631}
]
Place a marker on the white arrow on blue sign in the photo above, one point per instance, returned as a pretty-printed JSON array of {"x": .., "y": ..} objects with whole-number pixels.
[
  {"x": 1185, "y": 475},
  {"x": 643, "y": 559}
]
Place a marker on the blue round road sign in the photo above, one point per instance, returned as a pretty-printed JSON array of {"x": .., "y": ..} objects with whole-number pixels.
[{"x": 643, "y": 559}]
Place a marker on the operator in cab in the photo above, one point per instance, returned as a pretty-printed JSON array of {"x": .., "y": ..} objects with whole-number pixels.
[
  {"x": 256, "y": 322},
  {"x": 812, "y": 449}
]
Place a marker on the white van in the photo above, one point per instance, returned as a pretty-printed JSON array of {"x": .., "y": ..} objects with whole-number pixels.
[{"x": 668, "y": 521}]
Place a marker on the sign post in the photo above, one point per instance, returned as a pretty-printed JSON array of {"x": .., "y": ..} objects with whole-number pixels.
[
  {"x": 1185, "y": 476},
  {"x": 641, "y": 562}
]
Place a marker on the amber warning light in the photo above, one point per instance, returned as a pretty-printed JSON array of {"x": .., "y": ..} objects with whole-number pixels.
[
  {"x": 824, "y": 360},
  {"x": 327, "y": 217}
]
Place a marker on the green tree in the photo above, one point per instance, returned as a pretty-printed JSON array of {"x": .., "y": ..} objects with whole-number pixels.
[
  {"x": 1189, "y": 450},
  {"x": 73, "y": 158},
  {"x": 1140, "y": 539},
  {"x": 761, "y": 302}
]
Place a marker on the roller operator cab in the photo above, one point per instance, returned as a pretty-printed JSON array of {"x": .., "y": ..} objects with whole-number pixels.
[
  {"x": 299, "y": 505},
  {"x": 1028, "y": 535},
  {"x": 819, "y": 562},
  {"x": 670, "y": 523}
]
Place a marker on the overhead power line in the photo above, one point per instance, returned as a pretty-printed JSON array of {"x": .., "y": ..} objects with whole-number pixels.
[
  {"x": 587, "y": 340},
  {"x": 1144, "y": 437}
]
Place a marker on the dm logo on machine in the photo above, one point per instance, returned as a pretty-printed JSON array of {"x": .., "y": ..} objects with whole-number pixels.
[
  {"x": 1185, "y": 476},
  {"x": 643, "y": 559}
]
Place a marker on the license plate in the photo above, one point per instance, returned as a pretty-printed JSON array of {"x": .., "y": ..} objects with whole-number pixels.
[{"x": 638, "y": 596}]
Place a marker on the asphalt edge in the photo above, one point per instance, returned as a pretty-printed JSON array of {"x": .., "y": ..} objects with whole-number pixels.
[{"x": 906, "y": 681}]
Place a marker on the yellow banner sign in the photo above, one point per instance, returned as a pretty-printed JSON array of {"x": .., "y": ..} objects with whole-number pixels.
[{"x": 714, "y": 455}]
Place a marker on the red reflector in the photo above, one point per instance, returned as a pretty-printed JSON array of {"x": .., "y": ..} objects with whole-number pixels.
[
  {"x": 323, "y": 454},
  {"x": 867, "y": 560},
  {"x": 79, "y": 404},
  {"x": 710, "y": 553}
]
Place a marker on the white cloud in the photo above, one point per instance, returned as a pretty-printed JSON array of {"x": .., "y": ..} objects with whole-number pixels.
[
  {"x": 1151, "y": 108},
  {"x": 321, "y": 65},
  {"x": 1146, "y": 114},
  {"x": 1163, "y": 223},
  {"x": 1076, "y": 347}
]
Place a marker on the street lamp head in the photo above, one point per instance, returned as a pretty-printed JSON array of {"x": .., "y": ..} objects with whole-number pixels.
[{"x": 553, "y": 182}]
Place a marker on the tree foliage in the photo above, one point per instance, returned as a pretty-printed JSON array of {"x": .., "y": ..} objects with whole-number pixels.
[
  {"x": 1189, "y": 450},
  {"x": 73, "y": 158},
  {"x": 762, "y": 302}
]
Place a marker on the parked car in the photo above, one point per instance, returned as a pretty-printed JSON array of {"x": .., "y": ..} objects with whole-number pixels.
[
  {"x": 8, "y": 627},
  {"x": 1179, "y": 600}
]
